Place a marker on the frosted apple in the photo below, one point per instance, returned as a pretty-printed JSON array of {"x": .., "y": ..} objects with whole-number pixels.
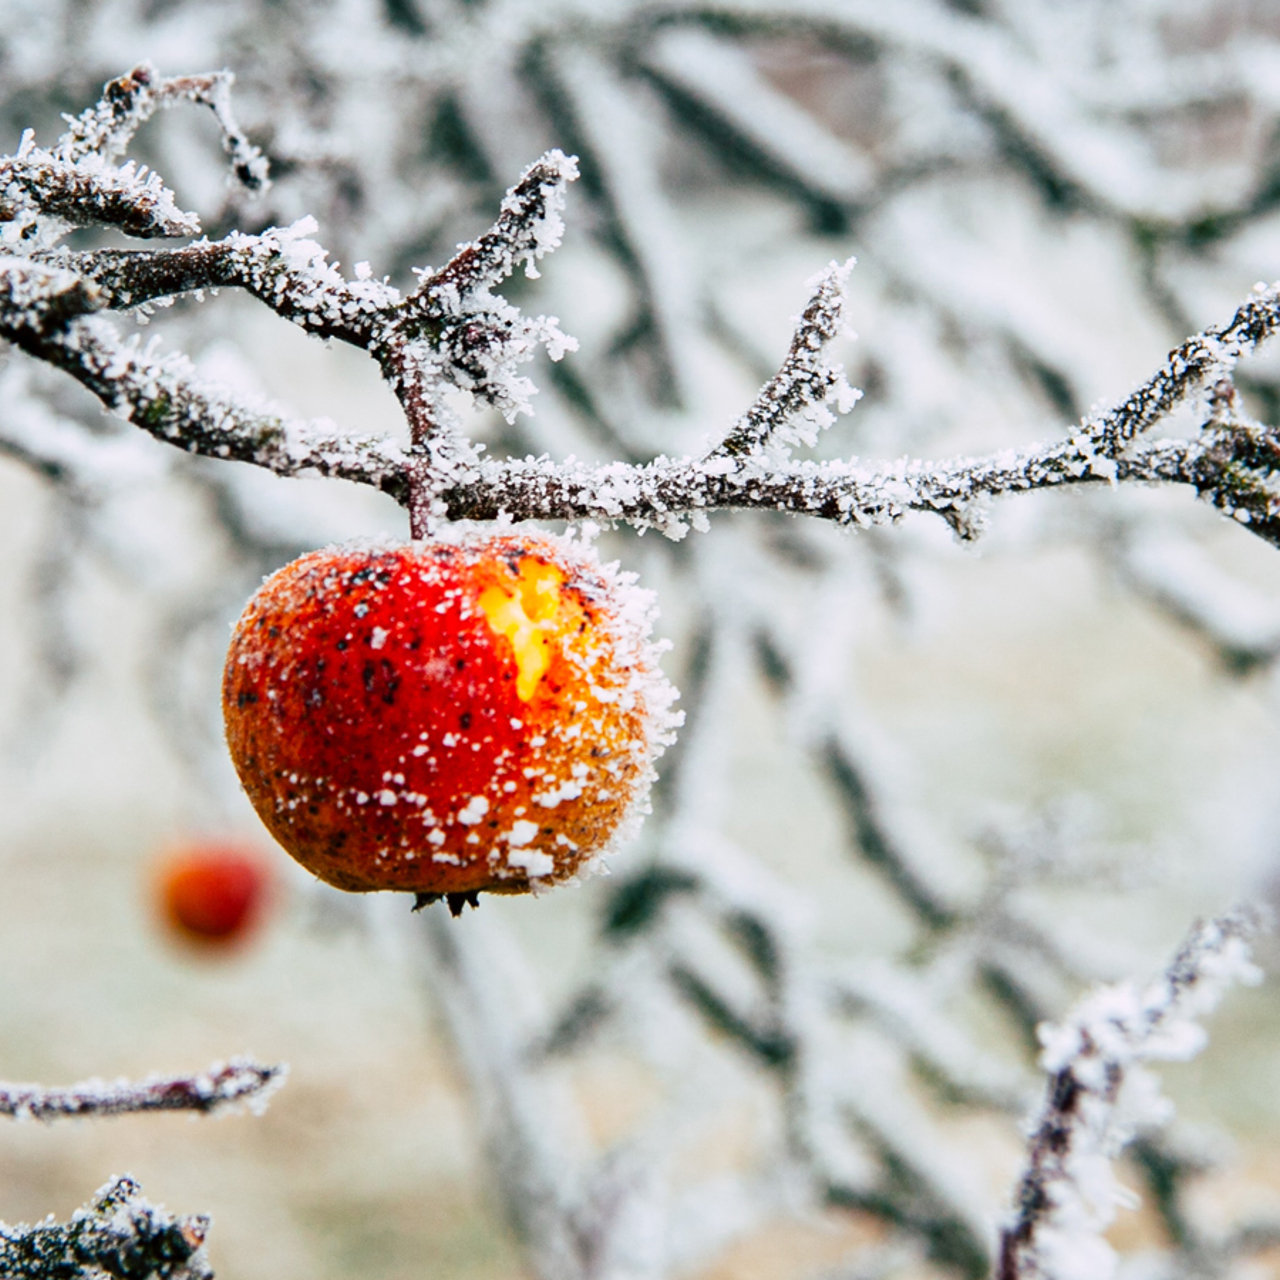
[{"x": 446, "y": 717}]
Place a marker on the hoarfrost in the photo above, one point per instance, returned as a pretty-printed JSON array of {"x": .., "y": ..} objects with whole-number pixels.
[{"x": 1100, "y": 1095}]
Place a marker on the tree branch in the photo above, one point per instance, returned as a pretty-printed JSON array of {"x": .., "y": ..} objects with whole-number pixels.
[
  {"x": 529, "y": 225},
  {"x": 801, "y": 387},
  {"x": 127, "y": 102},
  {"x": 281, "y": 267},
  {"x": 167, "y": 399},
  {"x": 452, "y": 331},
  {"x": 85, "y": 194},
  {"x": 118, "y": 1234},
  {"x": 1068, "y": 1196},
  {"x": 661, "y": 494},
  {"x": 223, "y": 1085}
]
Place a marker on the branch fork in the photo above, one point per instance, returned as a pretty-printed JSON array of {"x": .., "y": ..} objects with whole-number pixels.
[{"x": 454, "y": 331}]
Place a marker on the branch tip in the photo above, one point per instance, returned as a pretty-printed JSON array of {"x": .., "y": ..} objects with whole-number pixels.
[
  {"x": 797, "y": 402},
  {"x": 222, "y": 1086}
]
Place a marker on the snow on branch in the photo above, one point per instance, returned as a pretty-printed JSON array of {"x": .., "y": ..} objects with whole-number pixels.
[
  {"x": 84, "y": 194},
  {"x": 40, "y": 300},
  {"x": 1027, "y": 98},
  {"x": 529, "y": 225},
  {"x": 165, "y": 397},
  {"x": 282, "y": 266},
  {"x": 1099, "y": 1095},
  {"x": 452, "y": 331},
  {"x": 78, "y": 182},
  {"x": 792, "y": 406},
  {"x": 118, "y": 1234},
  {"x": 129, "y": 101},
  {"x": 1205, "y": 360},
  {"x": 223, "y": 1085},
  {"x": 662, "y": 493}
]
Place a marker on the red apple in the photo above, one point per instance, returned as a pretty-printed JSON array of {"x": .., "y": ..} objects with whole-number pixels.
[
  {"x": 446, "y": 717},
  {"x": 212, "y": 894}
]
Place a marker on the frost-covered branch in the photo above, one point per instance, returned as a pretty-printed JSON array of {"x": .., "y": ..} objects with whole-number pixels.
[
  {"x": 1100, "y": 1094},
  {"x": 281, "y": 266},
  {"x": 78, "y": 184},
  {"x": 1233, "y": 468},
  {"x": 724, "y": 78},
  {"x": 454, "y": 332},
  {"x": 85, "y": 193},
  {"x": 792, "y": 406},
  {"x": 1205, "y": 360},
  {"x": 525, "y": 1120},
  {"x": 107, "y": 128},
  {"x": 167, "y": 399},
  {"x": 39, "y": 301},
  {"x": 1240, "y": 623},
  {"x": 223, "y": 1085},
  {"x": 164, "y": 396},
  {"x": 662, "y": 493},
  {"x": 118, "y": 1234},
  {"x": 529, "y": 225},
  {"x": 621, "y": 150},
  {"x": 1052, "y": 117}
]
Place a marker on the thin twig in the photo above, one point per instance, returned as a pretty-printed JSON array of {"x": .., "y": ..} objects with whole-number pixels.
[
  {"x": 798, "y": 392},
  {"x": 224, "y": 1084}
]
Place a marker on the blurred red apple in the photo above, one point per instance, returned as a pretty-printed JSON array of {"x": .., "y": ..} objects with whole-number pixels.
[{"x": 213, "y": 894}]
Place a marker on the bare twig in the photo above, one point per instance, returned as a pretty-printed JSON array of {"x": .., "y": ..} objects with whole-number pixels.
[
  {"x": 792, "y": 406},
  {"x": 223, "y": 1085},
  {"x": 282, "y": 267},
  {"x": 529, "y": 225},
  {"x": 88, "y": 194},
  {"x": 128, "y": 102}
]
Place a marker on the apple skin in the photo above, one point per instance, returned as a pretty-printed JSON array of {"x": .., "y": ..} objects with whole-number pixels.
[
  {"x": 443, "y": 717},
  {"x": 213, "y": 894}
]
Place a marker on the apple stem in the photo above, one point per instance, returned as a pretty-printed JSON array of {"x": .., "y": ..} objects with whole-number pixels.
[{"x": 415, "y": 399}]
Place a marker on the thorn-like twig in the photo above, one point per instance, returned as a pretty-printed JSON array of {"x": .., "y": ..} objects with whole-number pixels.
[{"x": 129, "y": 101}]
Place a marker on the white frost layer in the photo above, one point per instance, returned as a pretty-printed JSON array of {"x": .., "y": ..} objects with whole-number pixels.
[{"x": 1100, "y": 1095}]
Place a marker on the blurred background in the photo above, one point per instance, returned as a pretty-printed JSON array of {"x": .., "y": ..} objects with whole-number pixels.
[{"x": 928, "y": 791}]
